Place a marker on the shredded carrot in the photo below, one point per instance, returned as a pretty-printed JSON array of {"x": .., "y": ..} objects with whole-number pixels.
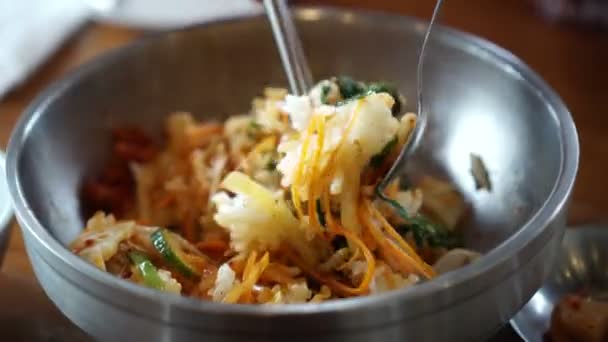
[
  {"x": 197, "y": 262},
  {"x": 201, "y": 134},
  {"x": 428, "y": 270},
  {"x": 406, "y": 263},
  {"x": 284, "y": 118},
  {"x": 165, "y": 201},
  {"x": 327, "y": 173},
  {"x": 249, "y": 264},
  {"x": 267, "y": 144},
  {"x": 324, "y": 294},
  {"x": 277, "y": 273},
  {"x": 390, "y": 248},
  {"x": 368, "y": 239},
  {"x": 247, "y": 297},
  {"x": 213, "y": 246},
  {"x": 313, "y": 188},
  {"x": 238, "y": 265},
  {"x": 336, "y": 285},
  {"x": 251, "y": 274},
  {"x": 369, "y": 259}
]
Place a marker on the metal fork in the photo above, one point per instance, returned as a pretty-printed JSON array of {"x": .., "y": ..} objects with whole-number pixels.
[
  {"x": 416, "y": 136},
  {"x": 300, "y": 78}
]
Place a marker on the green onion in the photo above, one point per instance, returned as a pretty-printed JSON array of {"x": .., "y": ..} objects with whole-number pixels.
[
  {"x": 350, "y": 88},
  {"x": 147, "y": 270},
  {"x": 320, "y": 213},
  {"x": 271, "y": 165},
  {"x": 423, "y": 230},
  {"x": 253, "y": 129},
  {"x": 164, "y": 243},
  {"x": 324, "y": 92},
  {"x": 353, "y": 90}
]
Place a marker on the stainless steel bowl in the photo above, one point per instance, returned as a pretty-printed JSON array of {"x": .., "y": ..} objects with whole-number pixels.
[
  {"x": 484, "y": 100},
  {"x": 581, "y": 265}
]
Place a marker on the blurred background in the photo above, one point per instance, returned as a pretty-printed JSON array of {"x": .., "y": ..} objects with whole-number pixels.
[{"x": 565, "y": 41}]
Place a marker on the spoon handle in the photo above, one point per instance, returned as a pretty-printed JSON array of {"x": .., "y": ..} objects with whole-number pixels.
[{"x": 290, "y": 48}]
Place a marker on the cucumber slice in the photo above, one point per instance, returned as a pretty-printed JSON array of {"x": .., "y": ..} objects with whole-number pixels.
[
  {"x": 147, "y": 270},
  {"x": 165, "y": 244}
]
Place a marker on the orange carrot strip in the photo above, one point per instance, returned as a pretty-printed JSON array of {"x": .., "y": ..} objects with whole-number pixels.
[
  {"x": 428, "y": 270},
  {"x": 165, "y": 201},
  {"x": 213, "y": 246}
]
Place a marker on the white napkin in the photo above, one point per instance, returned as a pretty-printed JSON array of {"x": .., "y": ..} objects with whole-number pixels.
[
  {"x": 166, "y": 14},
  {"x": 31, "y": 30}
]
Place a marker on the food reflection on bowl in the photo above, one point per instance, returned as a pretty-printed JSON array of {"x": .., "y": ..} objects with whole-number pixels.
[
  {"x": 579, "y": 317},
  {"x": 579, "y": 284},
  {"x": 487, "y": 103}
]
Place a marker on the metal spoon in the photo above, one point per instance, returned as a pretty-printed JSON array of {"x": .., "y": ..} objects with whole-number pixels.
[
  {"x": 413, "y": 142},
  {"x": 290, "y": 47}
]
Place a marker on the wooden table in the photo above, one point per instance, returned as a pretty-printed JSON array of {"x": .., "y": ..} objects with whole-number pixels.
[{"x": 574, "y": 61}]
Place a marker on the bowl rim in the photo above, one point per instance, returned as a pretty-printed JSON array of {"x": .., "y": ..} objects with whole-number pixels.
[
  {"x": 6, "y": 209},
  {"x": 495, "y": 258}
]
